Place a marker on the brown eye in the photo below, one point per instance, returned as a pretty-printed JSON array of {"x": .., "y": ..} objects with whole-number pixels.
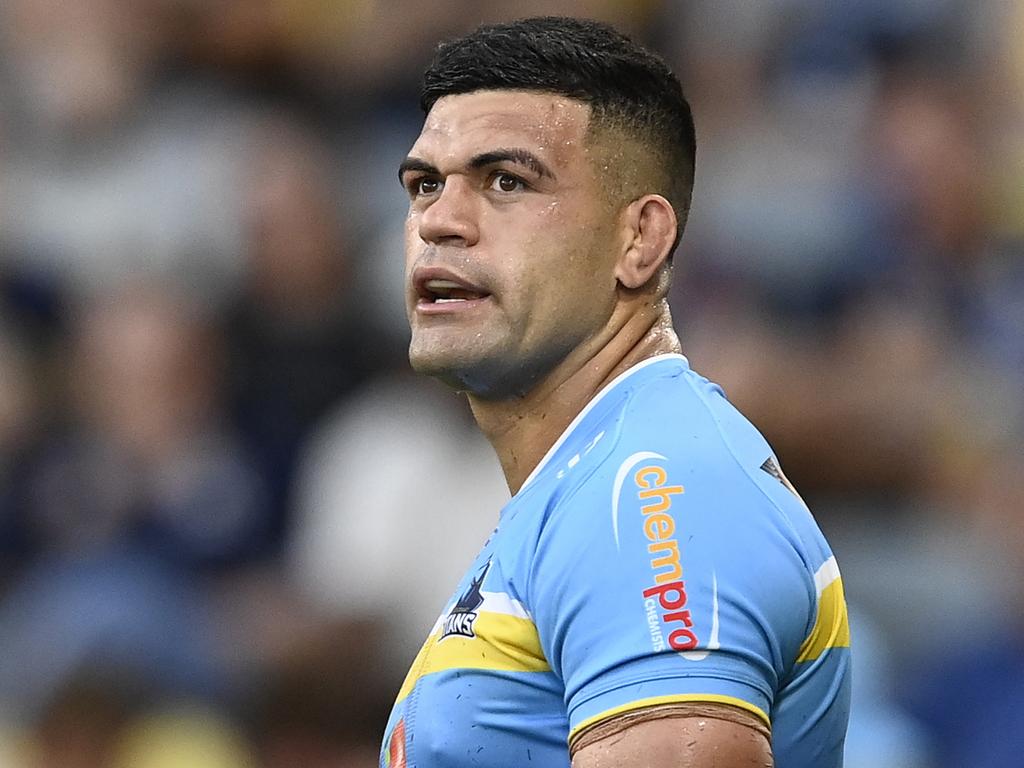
[
  {"x": 426, "y": 186},
  {"x": 506, "y": 182}
]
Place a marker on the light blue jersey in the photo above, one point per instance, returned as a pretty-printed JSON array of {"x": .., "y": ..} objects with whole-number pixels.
[{"x": 657, "y": 554}]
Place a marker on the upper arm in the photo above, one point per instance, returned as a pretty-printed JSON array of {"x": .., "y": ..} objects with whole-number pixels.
[{"x": 712, "y": 736}]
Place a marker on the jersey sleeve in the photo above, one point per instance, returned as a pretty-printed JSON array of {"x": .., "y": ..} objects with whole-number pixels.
[{"x": 668, "y": 575}]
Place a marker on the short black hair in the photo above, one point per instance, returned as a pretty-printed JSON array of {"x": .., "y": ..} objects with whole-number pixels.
[{"x": 626, "y": 86}]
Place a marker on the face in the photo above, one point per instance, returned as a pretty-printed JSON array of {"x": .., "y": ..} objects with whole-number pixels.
[{"x": 509, "y": 242}]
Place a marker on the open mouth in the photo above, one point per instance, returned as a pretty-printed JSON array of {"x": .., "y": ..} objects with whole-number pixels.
[{"x": 439, "y": 292}]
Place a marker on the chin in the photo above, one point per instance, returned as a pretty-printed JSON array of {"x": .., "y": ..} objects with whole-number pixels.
[
  {"x": 434, "y": 367},
  {"x": 434, "y": 360},
  {"x": 481, "y": 377}
]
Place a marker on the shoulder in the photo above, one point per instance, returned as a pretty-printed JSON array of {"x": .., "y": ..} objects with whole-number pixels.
[
  {"x": 677, "y": 430},
  {"x": 681, "y": 430},
  {"x": 683, "y": 477},
  {"x": 670, "y": 443}
]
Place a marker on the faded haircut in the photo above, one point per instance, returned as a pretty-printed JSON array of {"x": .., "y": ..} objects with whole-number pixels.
[{"x": 628, "y": 88}]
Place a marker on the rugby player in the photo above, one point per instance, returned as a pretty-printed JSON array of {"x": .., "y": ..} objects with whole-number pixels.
[{"x": 655, "y": 593}]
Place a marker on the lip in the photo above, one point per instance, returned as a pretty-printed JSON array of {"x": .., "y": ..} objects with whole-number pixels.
[
  {"x": 427, "y": 307},
  {"x": 425, "y": 301}
]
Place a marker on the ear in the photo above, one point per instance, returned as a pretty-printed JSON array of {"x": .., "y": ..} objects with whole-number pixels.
[{"x": 651, "y": 221}]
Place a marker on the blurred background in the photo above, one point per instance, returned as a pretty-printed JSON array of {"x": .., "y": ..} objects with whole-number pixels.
[{"x": 222, "y": 494}]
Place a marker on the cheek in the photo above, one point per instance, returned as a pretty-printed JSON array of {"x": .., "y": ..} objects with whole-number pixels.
[
  {"x": 565, "y": 261},
  {"x": 555, "y": 233},
  {"x": 412, "y": 240},
  {"x": 577, "y": 243}
]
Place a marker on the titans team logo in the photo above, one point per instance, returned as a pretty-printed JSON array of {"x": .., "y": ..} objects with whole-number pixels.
[{"x": 462, "y": 616}]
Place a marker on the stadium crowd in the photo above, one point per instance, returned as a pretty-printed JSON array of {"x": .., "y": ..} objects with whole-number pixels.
[{"x": 229, "y": 514}]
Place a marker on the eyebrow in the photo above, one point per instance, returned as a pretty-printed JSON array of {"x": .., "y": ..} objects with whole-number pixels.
[
  {"x": 415, "y": 164},
  {"x": 518, "y": 156}
]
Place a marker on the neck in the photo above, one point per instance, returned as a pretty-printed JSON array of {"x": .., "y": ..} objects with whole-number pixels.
[{"x": 522, "y": 429}]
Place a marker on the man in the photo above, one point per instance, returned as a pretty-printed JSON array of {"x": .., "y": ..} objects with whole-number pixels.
[{"x": 655, "y": 592}]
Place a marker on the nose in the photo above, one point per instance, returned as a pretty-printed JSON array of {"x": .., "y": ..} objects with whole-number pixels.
[{"x": 451, "y": 218}]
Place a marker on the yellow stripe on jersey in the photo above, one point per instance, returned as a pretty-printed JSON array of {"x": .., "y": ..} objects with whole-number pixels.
[
  {"x": 654, "y": 701},
  {"x": 832, "y": 626},
  {"x": 503, "y": 643}
]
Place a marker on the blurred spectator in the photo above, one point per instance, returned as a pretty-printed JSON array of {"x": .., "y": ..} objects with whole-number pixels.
[
  {"x": 299, "y": 340},
  {"x": 322, "y": 702},
  {"x": 182, "y": 736},
  {"x": 122, "y": 615},
  {"x": 967, "y": 693},
  {"x": 336, "y": 48},
  {"x": 968, "y": 697},
  {"x": 143, "y": 178},
  {"x": 18, "y": 403},
  {"x": 146, "y": 457},
  {"x": 80, "y": 67},
  {"x": 397, "y": 475},
  {"x": 83, "y": 721},
  {"x": 100, "y": 720},
  {"x": 881, "y": 734},
  {"x": 140, "y": 488}
]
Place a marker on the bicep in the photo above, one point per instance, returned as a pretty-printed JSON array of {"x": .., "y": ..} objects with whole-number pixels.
[{"x": 687, "y": 736}]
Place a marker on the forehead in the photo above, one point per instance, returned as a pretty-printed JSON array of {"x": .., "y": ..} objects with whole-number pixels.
[{"x": 550, "y": 125}]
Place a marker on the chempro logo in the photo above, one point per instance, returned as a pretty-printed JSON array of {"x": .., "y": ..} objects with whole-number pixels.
[
  {"x": 669, "y": 621},
  {"x": 665, "y": 599}
]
